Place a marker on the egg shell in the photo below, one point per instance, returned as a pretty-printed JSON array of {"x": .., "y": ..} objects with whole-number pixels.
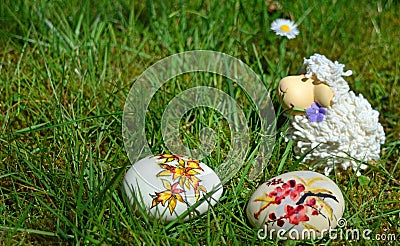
[
  {"x": 302, "y": 204},
  {"x": 166, "y": 186}
]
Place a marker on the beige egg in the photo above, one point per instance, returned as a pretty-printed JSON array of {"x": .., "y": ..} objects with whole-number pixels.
[{"x": 296, "y": 205}]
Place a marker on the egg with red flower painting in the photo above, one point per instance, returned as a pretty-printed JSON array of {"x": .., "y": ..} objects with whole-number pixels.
[
  {"x": 296, "y": 205},
  {"x": 168, "y": 187}
]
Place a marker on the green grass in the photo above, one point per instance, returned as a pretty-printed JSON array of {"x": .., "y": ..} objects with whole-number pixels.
[{"x": 66, "y": 68}]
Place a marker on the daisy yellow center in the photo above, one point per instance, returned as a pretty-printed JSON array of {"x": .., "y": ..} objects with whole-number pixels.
[{"x": 285, "y": 28}]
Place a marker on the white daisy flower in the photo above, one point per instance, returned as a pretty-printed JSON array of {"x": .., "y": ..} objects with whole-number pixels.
[{"x": 285, "y": 28}]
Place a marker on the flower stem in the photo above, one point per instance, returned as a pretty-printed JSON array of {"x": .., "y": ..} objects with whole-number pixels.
[{"x": 298, "y": 109}]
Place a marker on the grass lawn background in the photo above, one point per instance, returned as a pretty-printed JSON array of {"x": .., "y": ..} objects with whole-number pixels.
[{"x": 66, "y": 68}]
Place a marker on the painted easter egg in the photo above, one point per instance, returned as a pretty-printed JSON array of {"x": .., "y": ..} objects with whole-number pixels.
[
  {"x": 166, "y": 186},
  {"x": 296, "y": 205}
]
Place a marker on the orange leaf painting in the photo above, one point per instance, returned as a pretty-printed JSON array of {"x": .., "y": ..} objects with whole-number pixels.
[
  {"x": 183, "y": 174},
  {"x": 170, "y": 196}
]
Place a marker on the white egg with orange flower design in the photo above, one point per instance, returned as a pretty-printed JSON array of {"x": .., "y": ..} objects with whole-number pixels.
[
  {"x": 169, "y": 186},
  {"x": 296, "y": 205}
]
